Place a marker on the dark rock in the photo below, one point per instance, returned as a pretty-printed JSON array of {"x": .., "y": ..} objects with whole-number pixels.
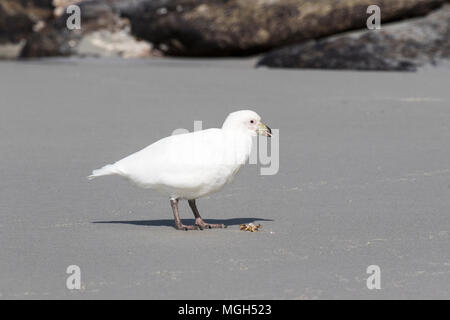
[
  {"x": 216, "y": 27},
  {"x": 242, "y": 27},
  {"x": 18, "y": 17},
  {"x": 96, "y": 16},
  {"x": 403, "y": 46}
]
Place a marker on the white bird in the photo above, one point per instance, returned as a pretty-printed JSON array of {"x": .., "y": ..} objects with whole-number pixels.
[{"x": 192, "y": 165}]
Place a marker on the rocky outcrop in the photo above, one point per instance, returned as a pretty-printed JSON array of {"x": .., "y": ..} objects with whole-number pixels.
[
  {"x": 103, "y": 33},
  {"x": 19, "y": 17},
  {"x": 242, "y": 27},
  {"x": 202, "y": 27},
  {"x": 403, "y": 46}
]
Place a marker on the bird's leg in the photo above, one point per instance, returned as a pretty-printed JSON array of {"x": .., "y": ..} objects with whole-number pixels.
[
  {"x": 198, "y": 219},
  {"x": 178, "y": 224}
]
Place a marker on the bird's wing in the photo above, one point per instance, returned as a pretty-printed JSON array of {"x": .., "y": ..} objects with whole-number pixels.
[{"x": 183, "y": 161}]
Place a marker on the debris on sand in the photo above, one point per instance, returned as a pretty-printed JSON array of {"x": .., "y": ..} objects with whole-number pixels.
[{"x": 250, "y": 227}]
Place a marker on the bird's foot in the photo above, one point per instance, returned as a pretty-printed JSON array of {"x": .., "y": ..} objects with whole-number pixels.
[
  {"x": 203, "y": 225},
  {"x": 186, "y": 228}
]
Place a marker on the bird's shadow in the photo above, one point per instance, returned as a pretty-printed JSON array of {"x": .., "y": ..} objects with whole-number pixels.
[{"x": 170, "y": 223}]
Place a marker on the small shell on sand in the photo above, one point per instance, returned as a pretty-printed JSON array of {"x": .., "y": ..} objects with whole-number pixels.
[{"x": 250, "y": 227}]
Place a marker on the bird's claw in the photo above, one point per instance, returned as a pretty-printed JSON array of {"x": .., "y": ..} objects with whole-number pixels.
[
  {"x": 200, "y": 225},
  {"x": 203, "y": 225},
  {"x": 186, "y": 228}
]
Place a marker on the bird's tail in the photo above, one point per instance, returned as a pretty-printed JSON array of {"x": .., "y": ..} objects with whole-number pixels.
[{"x": 104, "y": 171}]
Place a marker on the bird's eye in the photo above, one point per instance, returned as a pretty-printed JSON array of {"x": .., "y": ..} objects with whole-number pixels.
[{"x": 252, "y": 121}]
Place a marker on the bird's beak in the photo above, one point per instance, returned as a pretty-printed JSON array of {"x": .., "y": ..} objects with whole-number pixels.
[{"x": 263, "y": 130}]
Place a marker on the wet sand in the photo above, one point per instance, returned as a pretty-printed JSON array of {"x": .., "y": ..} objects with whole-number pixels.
[{"x": 364, "y": 180}]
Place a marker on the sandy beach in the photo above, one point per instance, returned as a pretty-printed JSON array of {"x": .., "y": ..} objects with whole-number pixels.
[{"x": 364, "y": 179}]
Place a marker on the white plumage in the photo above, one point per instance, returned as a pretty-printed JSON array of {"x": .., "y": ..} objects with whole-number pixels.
[{"x": 192, "y": 165}]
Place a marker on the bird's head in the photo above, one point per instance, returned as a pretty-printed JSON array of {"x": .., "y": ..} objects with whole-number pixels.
[{"x": 246, "y": 121}]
